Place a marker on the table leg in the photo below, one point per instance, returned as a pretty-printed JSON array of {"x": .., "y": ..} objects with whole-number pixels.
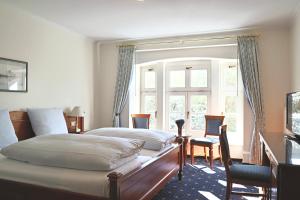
[{"x": 185, "y": 150}]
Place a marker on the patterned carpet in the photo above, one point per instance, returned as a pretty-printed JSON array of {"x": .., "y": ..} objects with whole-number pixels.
[{"x": 201, "y": 183}]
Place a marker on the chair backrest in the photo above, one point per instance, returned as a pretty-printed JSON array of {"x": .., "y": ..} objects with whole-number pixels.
[
  {"x": 225, "y": 148},
  {"x": 213, "y": 123},
  {"x": 140, "y": 120}
]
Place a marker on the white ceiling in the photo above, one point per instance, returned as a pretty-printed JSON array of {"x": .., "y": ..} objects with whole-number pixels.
[{"x": 132, "y": 19}]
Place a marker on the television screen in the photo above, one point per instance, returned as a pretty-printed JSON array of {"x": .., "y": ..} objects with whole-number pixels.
[{"x": 293, "y": 113}]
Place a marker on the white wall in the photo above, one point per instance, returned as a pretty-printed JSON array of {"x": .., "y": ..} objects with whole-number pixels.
[
  {"x": 61, "y": 63},
  {"x": 105, "y": 78},
  {"x": 295, "y": 73},
  {"x": 275, "y": 61}
]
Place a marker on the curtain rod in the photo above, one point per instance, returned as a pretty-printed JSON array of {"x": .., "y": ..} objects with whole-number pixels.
[{"x": 185, "y": 40}]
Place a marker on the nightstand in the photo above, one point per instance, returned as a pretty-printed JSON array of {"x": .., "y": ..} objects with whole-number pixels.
[{"x": 75, "y": 124}]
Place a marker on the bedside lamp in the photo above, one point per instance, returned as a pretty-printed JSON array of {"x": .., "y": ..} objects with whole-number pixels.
[{"x": 77, "y": 112}]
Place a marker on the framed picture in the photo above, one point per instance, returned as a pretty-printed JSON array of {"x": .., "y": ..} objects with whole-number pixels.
[{"x": 13, "y": 75}]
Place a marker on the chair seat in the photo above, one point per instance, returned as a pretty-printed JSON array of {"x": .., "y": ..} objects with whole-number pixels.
[
  {"x": 204, "y": 141},
  {"x": 251, "y": 172}
]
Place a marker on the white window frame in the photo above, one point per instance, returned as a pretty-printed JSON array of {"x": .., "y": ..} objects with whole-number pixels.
[
  {"x": 168, "y": 94},
  {"x": 238, "y": 92},
  {"x": 188, "y": 124},
  {"x": 187, "y": 91},
  {"x": 143, "y": 71},
  {"x": 195, "y": 65},
  {"x": 142, "y": 105},
  {"x": 158, "y": 69}
]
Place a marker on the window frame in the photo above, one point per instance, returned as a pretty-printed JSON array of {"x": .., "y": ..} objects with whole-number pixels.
[
  {"x": 237, "y": 92},
  {"x": 188, "y": 67},
  {"x": 208, "y": 110},
  {"x": 142, "y": 106},
  {"x": 145, "y": 69}
]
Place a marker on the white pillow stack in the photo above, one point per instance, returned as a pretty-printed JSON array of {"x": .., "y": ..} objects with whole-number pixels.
[
  {"x": 154, "y": 139},
  {"x": 7, "y": 131},
  {"x": 84, "y": 152}
]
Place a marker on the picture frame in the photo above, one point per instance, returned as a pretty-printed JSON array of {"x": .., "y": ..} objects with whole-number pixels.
[{"x": 13, "y": 75}]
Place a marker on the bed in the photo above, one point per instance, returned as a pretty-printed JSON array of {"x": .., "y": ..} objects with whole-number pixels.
[{"x": 142, "y": 182}]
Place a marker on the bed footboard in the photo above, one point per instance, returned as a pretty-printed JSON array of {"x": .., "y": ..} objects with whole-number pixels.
[{"x": 144, "y": 183}]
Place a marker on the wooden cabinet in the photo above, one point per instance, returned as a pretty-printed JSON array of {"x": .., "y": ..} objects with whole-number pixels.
[
  {"x": 283, "y": 155},
  {"x": 75, "y": 124}
]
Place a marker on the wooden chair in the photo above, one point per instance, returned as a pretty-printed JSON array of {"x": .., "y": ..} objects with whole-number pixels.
[
  {"x": 212, "y": 128},
  {"x": 245, "y": 174},
  {"x": 141, "y": 120}
]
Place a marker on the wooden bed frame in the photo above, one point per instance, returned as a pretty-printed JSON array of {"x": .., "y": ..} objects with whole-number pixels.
[{"x": 140, "y": 184}]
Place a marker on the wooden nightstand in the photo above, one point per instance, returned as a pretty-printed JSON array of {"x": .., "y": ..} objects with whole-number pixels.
[{"x": 75, "y": 124}]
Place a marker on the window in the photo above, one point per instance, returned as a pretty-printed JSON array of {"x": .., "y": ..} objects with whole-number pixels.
[
  {"x": 198, "y": 78},
  {"x": 232, "y": 100},
  {"x": 150, "y": 77},
  {"x": 187, "y": 92},
  {"x": 190, "y": 89},
  {"x": 177, "y": 107},
  {"x": 198, "y": 108},
  {"x": 148, "y": 93},
  {"x": 177, "y": 79}
]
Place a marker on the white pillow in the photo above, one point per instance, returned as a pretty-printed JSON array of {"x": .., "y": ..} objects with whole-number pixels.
[
  {"x": 85, "y": 152},
  {"x": 7, "y": 131},
  {"x": 46, "y": 121}
]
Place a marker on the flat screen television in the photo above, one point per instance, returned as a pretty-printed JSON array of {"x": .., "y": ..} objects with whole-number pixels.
[{"x": 293, "y": 113}]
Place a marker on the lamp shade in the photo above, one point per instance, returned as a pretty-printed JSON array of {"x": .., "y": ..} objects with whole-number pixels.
[{"x": 77, "y": 111}]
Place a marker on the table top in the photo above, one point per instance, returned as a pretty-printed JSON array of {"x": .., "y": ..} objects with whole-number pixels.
[
  {"x": 185, "y": 135},
  {"x": 285, "y": 149}
]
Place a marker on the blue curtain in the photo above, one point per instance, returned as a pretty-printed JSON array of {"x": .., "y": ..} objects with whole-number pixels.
[
  {"x": 125, "y": 70},
  {"x": 248, "y": 58}
]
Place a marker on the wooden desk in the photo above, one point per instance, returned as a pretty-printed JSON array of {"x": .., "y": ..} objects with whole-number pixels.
[{"x": 283, "y": 155}]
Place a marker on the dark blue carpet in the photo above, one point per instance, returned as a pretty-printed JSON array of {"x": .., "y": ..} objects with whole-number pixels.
[{"x": 201, "y": 183}]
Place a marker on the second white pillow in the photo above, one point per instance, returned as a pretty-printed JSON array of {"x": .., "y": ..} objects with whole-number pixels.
[{"x": 46, "y": 121}]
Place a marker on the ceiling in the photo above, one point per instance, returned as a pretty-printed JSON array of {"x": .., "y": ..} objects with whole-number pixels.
[{"x": 132, "y": 19}]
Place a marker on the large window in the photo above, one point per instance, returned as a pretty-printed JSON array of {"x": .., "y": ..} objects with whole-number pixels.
[
  {"x": 149, "y": 93},
  {"x": 189, "y": 90},
  {"x": 187, "y": 94},
  {"x": 232, "y": 100}
]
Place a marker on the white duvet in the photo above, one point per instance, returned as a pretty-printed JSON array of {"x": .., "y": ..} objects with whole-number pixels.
[
  {"x": 85, "y": 152},
  {"x": 154, "y": 139}
]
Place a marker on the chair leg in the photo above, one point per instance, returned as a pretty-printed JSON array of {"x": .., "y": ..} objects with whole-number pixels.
[
  {"x": 192, "y": 153},
  {"x": 228, "y": 190},
  {"x": 205, "y": 153},
  {"x": 266, "y": 192},
  {"x": 211, "y": 157},
  {"x": 220, "y": 153}
]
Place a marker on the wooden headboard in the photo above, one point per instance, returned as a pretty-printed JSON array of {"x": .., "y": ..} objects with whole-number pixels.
[
  {"x": 23, "y": 127},
  {"x": 21, "y": 124}
]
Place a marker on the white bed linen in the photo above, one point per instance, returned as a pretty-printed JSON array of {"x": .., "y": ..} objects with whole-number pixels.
[
  {"x": 83, "y": 152},
  {"x": 86, "y": 182}
]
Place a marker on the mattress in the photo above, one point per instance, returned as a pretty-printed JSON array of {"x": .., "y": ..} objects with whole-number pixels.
[{"x": 86, "y": 182}]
